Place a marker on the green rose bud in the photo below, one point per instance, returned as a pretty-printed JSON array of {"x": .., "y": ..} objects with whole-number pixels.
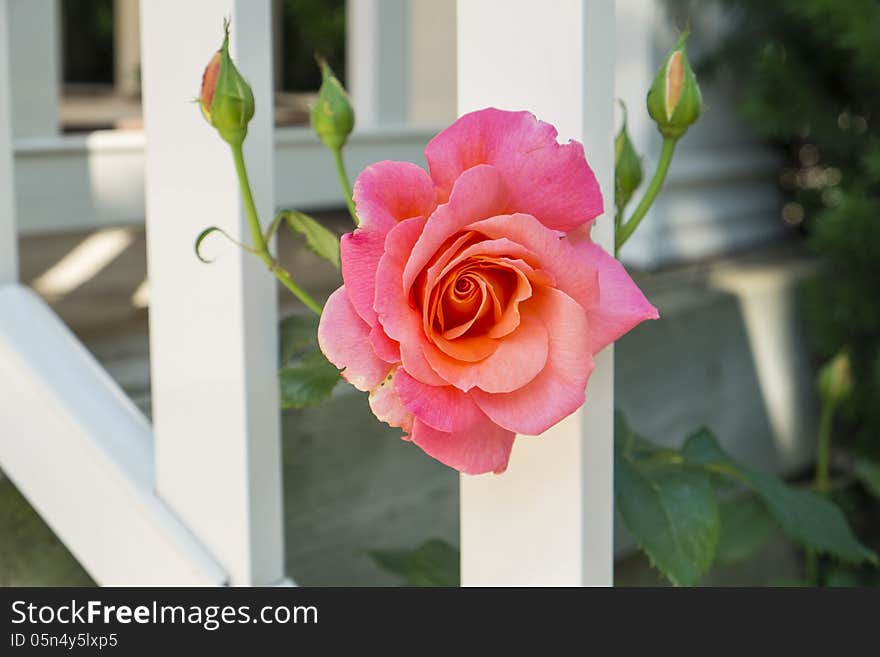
[
  {"x": 226, "y": 100},
  {"x": 835, "y": 379},
  {"x": 332, "y": 116},
  {"x": 627, "y": 167},
  {"x": 674, "y": 100}
]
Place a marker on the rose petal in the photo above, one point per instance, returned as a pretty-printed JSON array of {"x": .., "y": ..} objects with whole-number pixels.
[
  {"x": 387, "y": 405},
  {"x": 385, "y": 193},
  {"x": 517, "y": 360},
  {"x": 550, "y": 181},
  {"x": 361, "y": 251},
  {"x": 621, "y": 303},
  {"x": 345, "y": 340},
  {"x": 385, "y": 348},
  {"x": 504, "y": 308},
  {"x": 574, "y": 274},
  {"x": 479, "y": 193},
  {"x": 442, "y": 407},
  {"x": 401, "y": 320},
  {"x": 451, "y": 428},
  {"x": 483, "y": 447},
  {"x": 558, "y": 390}
]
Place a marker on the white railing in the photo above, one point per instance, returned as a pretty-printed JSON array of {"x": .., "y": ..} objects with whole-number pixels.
[
  {"x": 70, "y": 440},
  {"x": 82, "y": 181},
  {"x": 198, "y": 498}
]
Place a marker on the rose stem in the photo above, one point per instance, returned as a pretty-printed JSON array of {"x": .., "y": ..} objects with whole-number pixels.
[
  {"x": 345, "y": 184},
  {"x": 823, "y": 458},
  {"x": 261, "y": 250},
  {"x": 627, "y": 229}
]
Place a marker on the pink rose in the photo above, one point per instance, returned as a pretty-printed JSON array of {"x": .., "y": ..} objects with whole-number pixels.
[{"x": 467, "y": 312}]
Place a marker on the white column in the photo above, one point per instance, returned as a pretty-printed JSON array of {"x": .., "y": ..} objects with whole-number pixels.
[
  {"x": 34, "y": 46},
  {"x": 548, "y": 520},
  {"x": 212, "y": 327},
  {"x": 377, "y": 68},
  {"x": 8, "y": 234},
  {"x": 127, "y": 46}
]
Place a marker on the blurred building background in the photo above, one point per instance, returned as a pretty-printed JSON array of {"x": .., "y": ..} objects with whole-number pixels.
[{"x": 718, "y": 256}]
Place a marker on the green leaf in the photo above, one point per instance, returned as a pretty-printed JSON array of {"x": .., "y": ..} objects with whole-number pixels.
[
  {"x": 395, "y": 562},
  {"x": 672, "y": 513},
  {"x": 843, "y": 577},
  {"x": 746, "y": 526},
  {"x": 434, "y": 563},
  {"x": 308, "y": 382},
  {"x": 810, "y": 519},
  {"x": 868, "y": 472},
  {"x": 669, "y": 507},
  {"x": 297, "y": 334},
  {"x": 631, "y": 444},
  {"x": 703, "y": 448},
  {"x": 320, "y": 241},
  {"x": 806, "y": 517}
]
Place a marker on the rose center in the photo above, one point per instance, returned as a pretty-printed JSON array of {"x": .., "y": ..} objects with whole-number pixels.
[
  {"x": 472, "y": 298},
  {"x": 464, "y": 286}
]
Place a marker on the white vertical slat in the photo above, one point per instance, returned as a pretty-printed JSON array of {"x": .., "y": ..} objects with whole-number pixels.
[
  {"x": 35, "y": 66},
  {"x": 8, "y": 234},
  {"x": 377, "y": 63},
  {"x": 548, "y": 520},
  {"x": 212, "y": 327}
]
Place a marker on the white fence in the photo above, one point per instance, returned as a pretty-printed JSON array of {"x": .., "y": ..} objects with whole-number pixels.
[{"x": 196, "y": 498}]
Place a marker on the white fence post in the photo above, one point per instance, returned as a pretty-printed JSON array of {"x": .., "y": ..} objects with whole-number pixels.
[
  {"x": 377, "y": 68},
  {"x": 35, "y": 70},
  {"x": 548, "y": 520},
  {"x": 8, "y": 233},
  {"x": 212, "y": 327}
]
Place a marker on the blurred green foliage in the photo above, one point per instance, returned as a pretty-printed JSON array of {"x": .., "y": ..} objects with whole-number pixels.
[
  {"x": 87, "y": 41},
  {"x": 311, "y": 27},
  {"x": 808, "y": 75}
]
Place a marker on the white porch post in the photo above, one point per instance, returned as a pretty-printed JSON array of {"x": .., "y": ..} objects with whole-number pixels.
[
  {"x": 212, "y": 327},
  {"x": 377, "y": 42},
  {"x": 126, "y": 46},
  {"x": 8, "y": 233},
  {"x": 35, "y": 76},
  {"x": 549, "y": 519}
]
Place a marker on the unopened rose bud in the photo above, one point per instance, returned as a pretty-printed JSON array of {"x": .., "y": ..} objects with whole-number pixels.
[
  {"x": 226, "y": 99},
  {"x": 674, "y": 100},
  {"x": 332, "y": 116},
  {"x": 627, "y": 167},
  {"x": 835, "y": 379}
]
